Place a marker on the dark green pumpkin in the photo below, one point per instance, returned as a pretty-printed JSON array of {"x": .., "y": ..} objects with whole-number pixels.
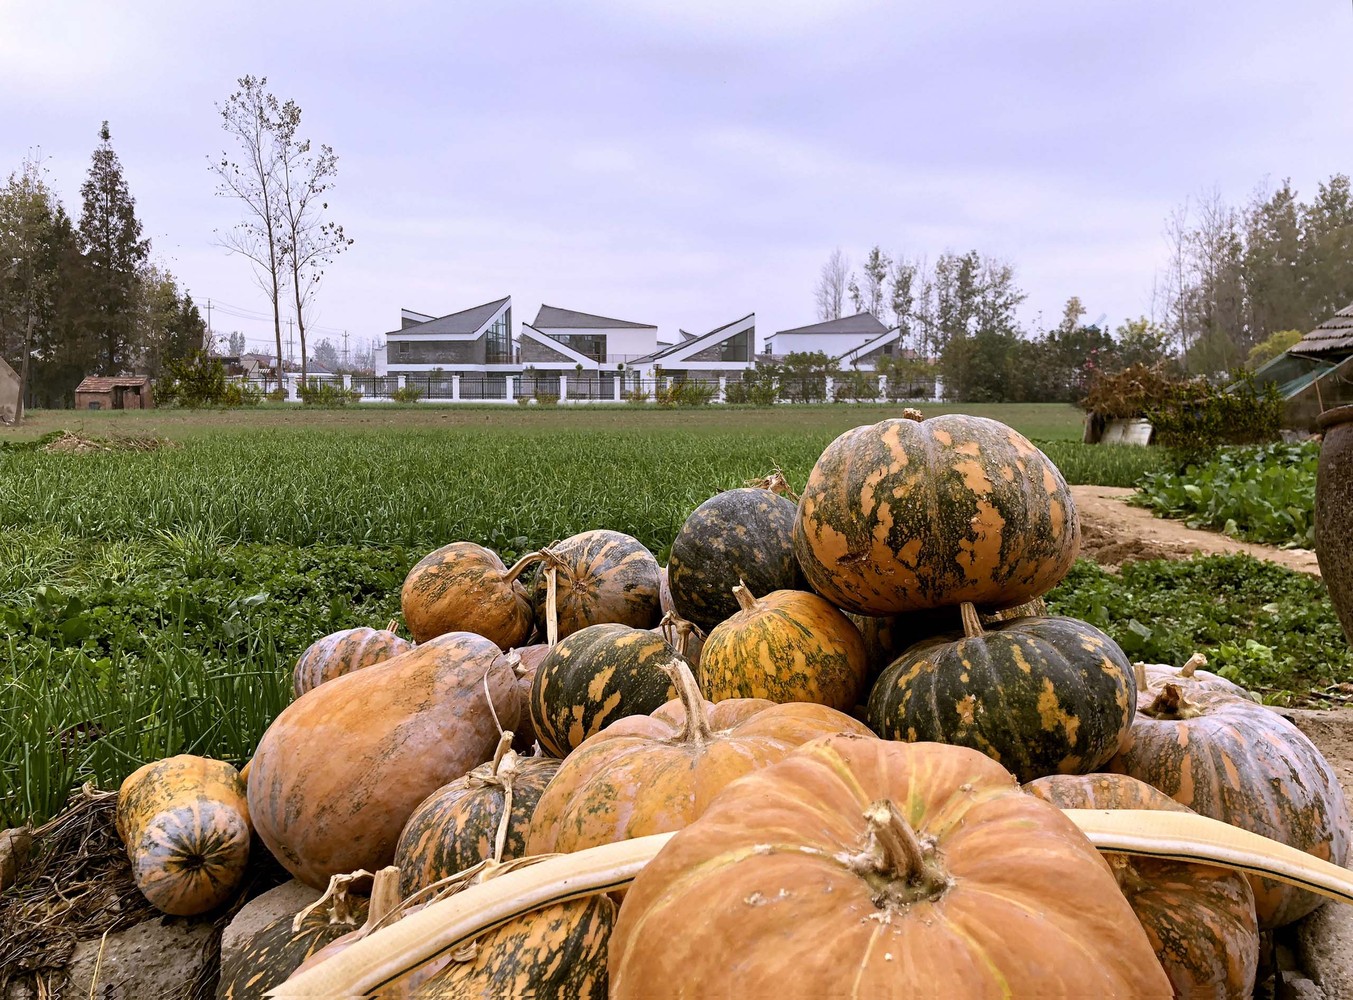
[
  {"x": 1040, "y": 695},
  {"x": 275, "y": 951},
  {"x": 593, "y": 677},
  {"x": 742, "y": 535},
  {"x": 600, "y": 576},
  {"x": 455, "y": 827},
  {"x": 888, "y": 637}
]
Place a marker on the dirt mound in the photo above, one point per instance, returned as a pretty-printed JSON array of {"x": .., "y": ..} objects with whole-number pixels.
[
  {"x": 1112, "y": 549},
  {"x": 65, "y": 442}
]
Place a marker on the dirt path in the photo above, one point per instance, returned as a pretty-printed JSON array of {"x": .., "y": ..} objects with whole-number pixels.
[{"x": 1112, "y": 533}]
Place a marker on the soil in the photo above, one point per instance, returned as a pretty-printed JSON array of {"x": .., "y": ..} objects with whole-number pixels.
[{"x": 1114, "y": 533}]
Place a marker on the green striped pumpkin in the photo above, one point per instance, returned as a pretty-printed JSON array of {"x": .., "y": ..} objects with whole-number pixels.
[
  {"x": 1040, "y": 695},
  {"x": 594, "y": 677},
  {"x": 600, "y": 576},
  {"x": 910, "y": 514}
]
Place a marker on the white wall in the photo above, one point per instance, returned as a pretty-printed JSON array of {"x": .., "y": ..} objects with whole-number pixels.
[
  {"x": 621, "y": 344},
  {"x": 831, "y": 344}
]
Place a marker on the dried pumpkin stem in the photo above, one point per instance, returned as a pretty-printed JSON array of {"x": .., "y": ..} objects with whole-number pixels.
[
  {"x": 1139, "y": 675},
  {"x": 393, "y": 626},
  {"x": 898, "y": 867},
  {"x": 504, "y": 745},
  {"x": 1192, "y": 664},
  {"x": 746, "y": 599},
  {"x": 523, "y": 564},
  {"x": 972, "y": 625},
  {"x": 1171, "y": 703},
  {"x": 911, "y": 413},
  {"x": 551, "y": 605},
  {"x": 696, "y": 729}
]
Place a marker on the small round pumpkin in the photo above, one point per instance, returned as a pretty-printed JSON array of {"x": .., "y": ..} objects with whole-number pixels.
[
  {"x": 594, "y": 677},
  {"x": 1200, "y": 919},
  {"x": 600, "y": 576},
  {"x": 464, "y": 587},
  {"x": 1040, "y": 695},
  {"x": 343, "y": 652},
  {"x": 340, "y": 770},
  {"x": 459, "y": 825},
  {"x": 909, "y": 514},
  {"x": 184, "y": 821},
  {"x": 738, "y": 535},
  {"x": 789, "y": 645},
  {"x": 1233, "y": 760},
  {"x": 871, "y": 868},
  {"x": 654, "y": 773}
]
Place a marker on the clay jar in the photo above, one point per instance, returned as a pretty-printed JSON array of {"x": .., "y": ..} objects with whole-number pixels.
[{"x": 1334, "y": 512}]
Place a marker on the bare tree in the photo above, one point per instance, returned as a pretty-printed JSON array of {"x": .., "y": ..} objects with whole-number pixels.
[
  {"x": 253, "y": 117},
  {"x": 831, "y": 287},
  {"x": 309, "y": 244}
]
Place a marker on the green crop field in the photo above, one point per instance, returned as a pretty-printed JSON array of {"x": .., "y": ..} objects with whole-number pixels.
[{"x": 153, "y": 601}]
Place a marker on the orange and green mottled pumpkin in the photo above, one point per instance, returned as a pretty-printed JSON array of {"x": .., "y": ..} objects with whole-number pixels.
[
  {"x": 343, "y": 652},
  {"x": 1231, "y": 759},
  {"x": 870, "y": 868},
  {"x": 909, "y": 514},
  {"x": 464, "y": 587},
  {"x": 743, "y": 535},
  {"x": 1200, "y": 919},
  {"x": 456, "y": 826},
  {"x": 600, "y": 576},
  {"x": 654, "y": 773},
  {"x": 185, "y": 823},
  {"x": 338, "y": 773},
  {"x": 789, "y": 645},
  {"x": 277, "y": 949},
  {"x": 594, "y": 677},
  {"x": 1040, "y": 695}
]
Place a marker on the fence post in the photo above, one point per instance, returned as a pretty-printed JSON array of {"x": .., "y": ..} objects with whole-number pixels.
[
  {"x": 723, "y": 389},
  {"x": 511, "y": 395},
  {"x": 883, "y": 387},
  {"x": 831, "y": 387},
  {"x": 619, "y": 384},
  {"x": 399, "y": 381},
  {"x": 347, "y": 381},
  {"x": 455, "y": 388},
  {"x": 563, "y": 388},
  {"x": 293, "y": 387}
]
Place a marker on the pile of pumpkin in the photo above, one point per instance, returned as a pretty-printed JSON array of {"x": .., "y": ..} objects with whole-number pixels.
[{"x": 852, "y": 708}]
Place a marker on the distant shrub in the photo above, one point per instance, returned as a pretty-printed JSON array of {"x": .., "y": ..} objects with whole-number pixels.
[
  {"x": 408, "y": 394},
  {"x": 313, "y": 392}
]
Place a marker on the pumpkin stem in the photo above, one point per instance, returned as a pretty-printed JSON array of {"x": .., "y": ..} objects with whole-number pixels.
[
  {"x": 1192, "y": 664},
  {"x": 696, "y": 728},
  {"x": 1139, "y": 675},
  {"x": 911, "y": 413},
  {"x": 504, "y": 745},
  {"x": 522, "y": 564},
  {"x": 775, "y": 482},
  {"x": 337, "y": 896},
  {"x": 393, "y": 626},
  {"x": 746, "y": 599},
  {"x": 1171, "y": 703},
  {"x": 899, "y": 868},
  {"x": 677, "y": 632},
  {"x": 972, "y": 625},
  {"x": 551, "y": 605}
]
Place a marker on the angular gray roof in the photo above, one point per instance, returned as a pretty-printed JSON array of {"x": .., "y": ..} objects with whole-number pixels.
[
  {"x": 1335, "y": 335},
  {"x": 704, "y": 340},
  {"x": 863, "y": 322},
  {"x": 552, "y": 317},
  {"x": 464, "y": 323}
]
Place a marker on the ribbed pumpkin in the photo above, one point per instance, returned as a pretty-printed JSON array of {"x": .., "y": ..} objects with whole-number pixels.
[
  {"x": 738, "y": 535},
  {"x": 1200, "y": 919},
  {"x": 456, "y": 826},
  {"x": 340, "y": 770},
  {"x": 185, "y": 823},
  {"x": 1040, "y": 695},
  {"x": 789, "y": 645},
  {"x": 600, "y": 576},
  {"x": 594, "y": 677},
  {"x": 277, "y": 949},
  {"x": 343, "y": 652},
  {"x": 870, "y": 868},
  {"x": 1239, "y": 762},
  {"x": 655, "y": 773},
  {"x": 1157, "y": 675},
  {"x": 910, "y": 514},
  {"x": 464, "y": 587}
]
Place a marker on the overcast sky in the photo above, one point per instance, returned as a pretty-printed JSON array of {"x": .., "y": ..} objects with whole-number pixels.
[{"x": 685, "y": 163}]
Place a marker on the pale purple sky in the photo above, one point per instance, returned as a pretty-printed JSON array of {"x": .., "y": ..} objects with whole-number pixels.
[{"x": 685, "y": 163}]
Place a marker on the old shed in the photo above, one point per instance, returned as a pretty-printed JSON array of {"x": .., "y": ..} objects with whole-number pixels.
[
  {"x": 1317, "y": 373},
  {"x": 99, "y": 392}
]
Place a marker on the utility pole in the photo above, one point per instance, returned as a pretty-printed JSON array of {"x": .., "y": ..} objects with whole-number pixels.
[
  {"x": 291, "y": 349},
  {"x": 345, "y": 350},
  {"x": 211, "y": 337}
]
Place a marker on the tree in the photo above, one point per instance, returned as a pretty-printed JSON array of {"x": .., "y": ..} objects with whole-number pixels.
[
  {"x": 238, "y": 345},
  {"x": 831, "y": 286},
  {"x": 110, "y": 237},
  {"x": 1265, "y": 351},
  {"x": 309, "y": 243},
  {"x": 903, "y": 299},
  {"x": 326, "y": 354},
  {"x": 253, "y": 117},
  {"x": 871, "y": 293}
]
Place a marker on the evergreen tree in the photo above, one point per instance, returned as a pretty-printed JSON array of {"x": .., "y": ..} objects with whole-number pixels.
[{"x": 110, "y": 237}]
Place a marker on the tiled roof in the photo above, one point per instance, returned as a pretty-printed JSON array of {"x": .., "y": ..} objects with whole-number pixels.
[
  {"x": 99, "y": 383},
  {"x": 464, "y": 323},
  {"x": 1333, "y": 335},
  {"x": 554, "y": 318},
  {"x": 859, "y": 323}
]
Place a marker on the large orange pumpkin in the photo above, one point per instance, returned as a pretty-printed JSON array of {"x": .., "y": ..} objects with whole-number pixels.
[
  {"x": 340, "y": 770},
  {"x": 789, "y": 645},
  {"x": 1200, "y": 919},
  {"x": 464, "y": 587},
  {"x": 343, "y": 652},
  {"x": 654, "y": 773},
  {"x": 911, "y": 514},
  {"x": 1239, "y": 762},
  {"x": 870, "y": 868},
  {"x": 185, "y": 823}
]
